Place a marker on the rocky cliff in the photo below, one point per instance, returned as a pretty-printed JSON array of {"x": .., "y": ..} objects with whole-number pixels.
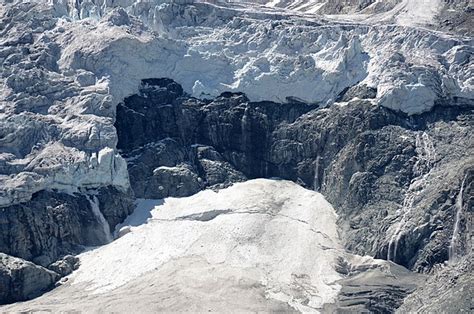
[
  {"x": 105, "y": 102},
  {"x": 400, "y": 184}
]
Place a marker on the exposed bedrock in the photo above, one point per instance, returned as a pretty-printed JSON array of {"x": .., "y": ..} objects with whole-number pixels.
[
  {"x": 22, "y": 280},
  {"x": 449, "y": 290},
  {"x": 394, "y": 179},
  {"x": 42, "y": 232},
  {"x": 54, "y": 224},
  {"x": 374, "y": 290}
]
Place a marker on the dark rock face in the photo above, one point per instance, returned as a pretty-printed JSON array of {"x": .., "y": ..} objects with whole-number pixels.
[
  {"x": 48, "y": 228},
  {"x": 359, "y": 91},
  {"x": 65, "y": 266},
  {"x": 63, "y": 224},
  {"x": 452, "y": 287},
  {"x": 22, "y": 280},
  {"x": 392, "y": 178},
  {"x": 378, "y": 289},
  {"x": 115, "y": 205},
  {"x": 212, "y": 144}
]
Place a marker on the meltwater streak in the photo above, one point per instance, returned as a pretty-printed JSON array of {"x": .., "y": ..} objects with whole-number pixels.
[
  {"x": 100, "y": 218},
  {"x": 455, "y": 243}
]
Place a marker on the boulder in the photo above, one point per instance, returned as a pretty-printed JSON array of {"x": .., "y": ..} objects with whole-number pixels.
[
  {"x": 22, "y": 280},
  {"x": 65, "y": 266}
]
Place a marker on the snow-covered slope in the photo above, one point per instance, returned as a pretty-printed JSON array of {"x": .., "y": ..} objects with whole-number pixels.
[
  {"x": 275, "y": 232},
  {"x": 271, "y": 237},
  {"x": 262, "y": 245}
]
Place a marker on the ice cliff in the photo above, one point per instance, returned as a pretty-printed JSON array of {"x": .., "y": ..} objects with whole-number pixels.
[
  {"x": 64, "y": 72},
  {"x": 67, "y": 68}
]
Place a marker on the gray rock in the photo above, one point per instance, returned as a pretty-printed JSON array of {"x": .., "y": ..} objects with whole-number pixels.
[
  {"x": 359, "y": 91},
  {"x": 450, "y": 289},
  {"x": 377, "y": 290},
  {"x": 177, "y": 181},
  {"x": 22, "y": 280},
  {"x": 215, "y": 171},
  {"x": 141, "y": 163},
  {"x": 49, "y": 227},
  {"x": 115, "y": 205},
  {"x": 65, "y": 266},
  {"x": 52, "y": 224},
  {"x": 163, "y": 127},
  {"x": 118, "y": 17}
]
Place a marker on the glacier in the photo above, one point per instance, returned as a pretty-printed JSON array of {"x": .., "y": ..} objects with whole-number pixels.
[{"x": 267, "y": 57}]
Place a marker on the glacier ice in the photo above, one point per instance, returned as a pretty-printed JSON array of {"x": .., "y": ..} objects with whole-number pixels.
[
  {"x": 210, "y": 49},
  {"x": 258, "y": 245},
  {"x": 64, "y": 73},
  {"x": 272, "y": 234}
]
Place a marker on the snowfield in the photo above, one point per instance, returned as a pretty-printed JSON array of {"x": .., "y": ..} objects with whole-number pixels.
[
  {"x": 258, "y": 245},
  {"x": 275, "y": 233}
]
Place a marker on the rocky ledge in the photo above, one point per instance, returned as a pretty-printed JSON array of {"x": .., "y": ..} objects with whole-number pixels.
[{"x": 43, "y": 232}]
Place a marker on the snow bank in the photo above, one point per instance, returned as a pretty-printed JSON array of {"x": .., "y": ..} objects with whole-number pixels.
[{"x": 273, "y": 232}]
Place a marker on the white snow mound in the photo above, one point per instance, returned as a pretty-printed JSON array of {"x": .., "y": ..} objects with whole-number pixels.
[{"x": 272, "y": 232}]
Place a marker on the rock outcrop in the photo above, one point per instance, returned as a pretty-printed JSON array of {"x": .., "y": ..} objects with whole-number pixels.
[
  {"x": 392, "y": 178},
  {"x": 21, "y": 280},
  {"x": 450, "y": 287},
  {"x": 55, "y": 224},
  {"x": 65, "y": 266},
  {"x": 50, "y": 226},
  {"x": 379, "y": 289}
]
